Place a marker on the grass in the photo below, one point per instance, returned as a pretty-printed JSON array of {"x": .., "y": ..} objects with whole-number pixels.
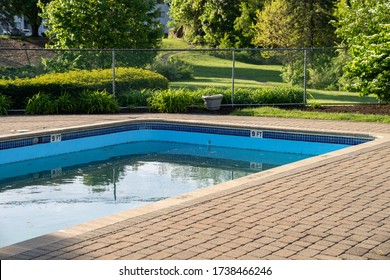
[
  {"x": 212, "y": 71},
  {"x": 276, "y": 112},
  {"x": 338, "y": 97},
  {"x": 173, "y": 43}
]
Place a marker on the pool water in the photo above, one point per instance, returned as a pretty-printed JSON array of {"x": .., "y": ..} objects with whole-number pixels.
[{"x": 48, "y": 194}]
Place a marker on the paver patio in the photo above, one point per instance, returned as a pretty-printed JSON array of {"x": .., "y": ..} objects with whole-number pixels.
[{"x": 333, "y": 206}]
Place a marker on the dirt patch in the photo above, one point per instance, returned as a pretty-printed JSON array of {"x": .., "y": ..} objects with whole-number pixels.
[{"x": 22, "y": 51}]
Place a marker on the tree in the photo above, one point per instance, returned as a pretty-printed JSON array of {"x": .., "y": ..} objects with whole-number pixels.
[
  {"x": 295, "y": 24},
  {"x": 274, "y": 26},
  {"x": 244, "y": 23},
  {"x": 27, "y": 8},
  {"x": 6, "y": 16},
  {"x": 217, "y": 23},
  {"x": 185, "y": 15},
  {"x": 102, "y": 24},
  {"x": 364, "y": 27}
]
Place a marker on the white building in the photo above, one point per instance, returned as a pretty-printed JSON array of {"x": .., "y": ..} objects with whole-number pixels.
[{"x": 163, "y": 16}]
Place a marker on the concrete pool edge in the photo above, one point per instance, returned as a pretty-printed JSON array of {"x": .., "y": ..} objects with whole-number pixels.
[{"x": 236, "y": 185}]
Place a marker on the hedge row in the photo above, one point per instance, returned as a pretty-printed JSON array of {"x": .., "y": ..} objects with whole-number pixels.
[
  {"x": 165, "y": 101},
  {"x": 177, "y": 100},
  {"x": 86, "y": 102},
  {"x": 280, "y": 95},
  {"x": 74, "y": 82}
]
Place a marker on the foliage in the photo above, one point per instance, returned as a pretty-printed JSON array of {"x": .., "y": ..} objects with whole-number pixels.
[
  {"x": 65, "y": 104},
  {"x": 274, "y": 26},
  {"x": 25, "y": 71},
  {"x": 75, "y": 82},
  {"x": 40, "y": 103},
  {"x": 97, "y": 59},
  {"x": 364, "y": 27},
  {"x": 325, "y": 69},
  {"x": 110, "y": 24},
  {"x": 173, "y": 69},
  {"x": 282, "y": 95},
  {"x": 98, "y": 102},
  {"x": 298, "y": 24},
  {"x": 102, "y": 24},
  {"x": 135, "y": 98},
  {"x": 294, "y": 24},
  {"x": 5, "y": 104},
  {"x": 215, "y": 23},
  {"x": 175, "y": 101},
  {"x": 171, "y": 101},
  {"x": 185, "y": 15},
  {"x": 90, "y": 102}
]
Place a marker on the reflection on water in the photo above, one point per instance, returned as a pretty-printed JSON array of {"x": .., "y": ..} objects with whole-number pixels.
[{"x": 44, "y": 195}]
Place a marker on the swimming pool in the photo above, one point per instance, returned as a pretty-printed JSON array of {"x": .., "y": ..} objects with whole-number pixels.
[{"x": 41, "y": 176}]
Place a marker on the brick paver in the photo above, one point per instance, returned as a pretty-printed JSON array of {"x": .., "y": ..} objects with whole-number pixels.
[{"x": 335, "y": 206}]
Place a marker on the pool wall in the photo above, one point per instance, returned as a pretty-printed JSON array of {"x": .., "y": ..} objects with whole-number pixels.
[{"x": 269, "y": 140}]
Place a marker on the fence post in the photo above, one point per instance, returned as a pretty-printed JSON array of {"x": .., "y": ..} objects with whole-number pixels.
[
  {"x": 304, "y": 76},
  {"x": 113, "y": 72},
  {"x": 233, "y": 67}
]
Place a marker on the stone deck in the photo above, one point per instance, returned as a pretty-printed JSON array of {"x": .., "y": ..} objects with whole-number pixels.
[{"x": 333, "y": 206}]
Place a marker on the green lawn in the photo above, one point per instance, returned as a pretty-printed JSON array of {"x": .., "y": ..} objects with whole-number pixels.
[
  {"x": 334, "y": 97},
  {"x": 212, "y": 71},
  {"x": 276, "y": 112},
  {"x": 173, "y": 43}
]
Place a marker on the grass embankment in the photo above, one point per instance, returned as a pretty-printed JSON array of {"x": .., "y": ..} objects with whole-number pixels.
[{"x": 299, "y": 114}]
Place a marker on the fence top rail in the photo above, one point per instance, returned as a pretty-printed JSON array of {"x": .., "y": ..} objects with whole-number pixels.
[{"x": 182, "y": 49}]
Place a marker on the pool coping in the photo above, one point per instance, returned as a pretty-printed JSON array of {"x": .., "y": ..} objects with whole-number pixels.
[{"x": 239, "y": 184}]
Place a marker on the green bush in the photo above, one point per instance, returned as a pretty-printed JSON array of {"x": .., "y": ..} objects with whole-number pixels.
[
  {"x": 177, "y": 100},
  {"x": 279, "y": 95},
  {"x": 98, "y": 102},
  {"x": 171, "y": 101},
  {"x": 90, "y": 102},
  {"x": 78, "y": 81},
  {"x": 173, "y": 69},
  {"x": 40, "y": 103},
  {"x": 135, "y": 98},
  {"x": 5, "y": 104},
  {"x": 65, "y": 104},
  {"x": 26, "y": 71}
]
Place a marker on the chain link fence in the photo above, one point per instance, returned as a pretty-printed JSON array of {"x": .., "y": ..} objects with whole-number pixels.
[{"x": 233, "y": 69}]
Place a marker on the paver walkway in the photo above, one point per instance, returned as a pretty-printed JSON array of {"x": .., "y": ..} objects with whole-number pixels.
[{"x": 334, "y": 206}]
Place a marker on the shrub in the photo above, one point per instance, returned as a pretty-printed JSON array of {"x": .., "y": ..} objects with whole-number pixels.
[
  {"x": 135, "y": 98},
  {"x": 79, "y": 81},
  {"x": 40, "y": 103},
  {"x": 90, "y": 102},
  {"x": 171, "y": 101},
  {"x": 279, "y": 95},
  {"x": 65, "y": 104},
  {"x": 25, "y": 71},
  {"x": 98, "y": 102},
  {"x": 5, "y": 104},
  {"x": 173, "y": 69}
]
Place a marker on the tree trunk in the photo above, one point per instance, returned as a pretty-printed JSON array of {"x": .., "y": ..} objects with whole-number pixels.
[{"x": 35, "y": 28}]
